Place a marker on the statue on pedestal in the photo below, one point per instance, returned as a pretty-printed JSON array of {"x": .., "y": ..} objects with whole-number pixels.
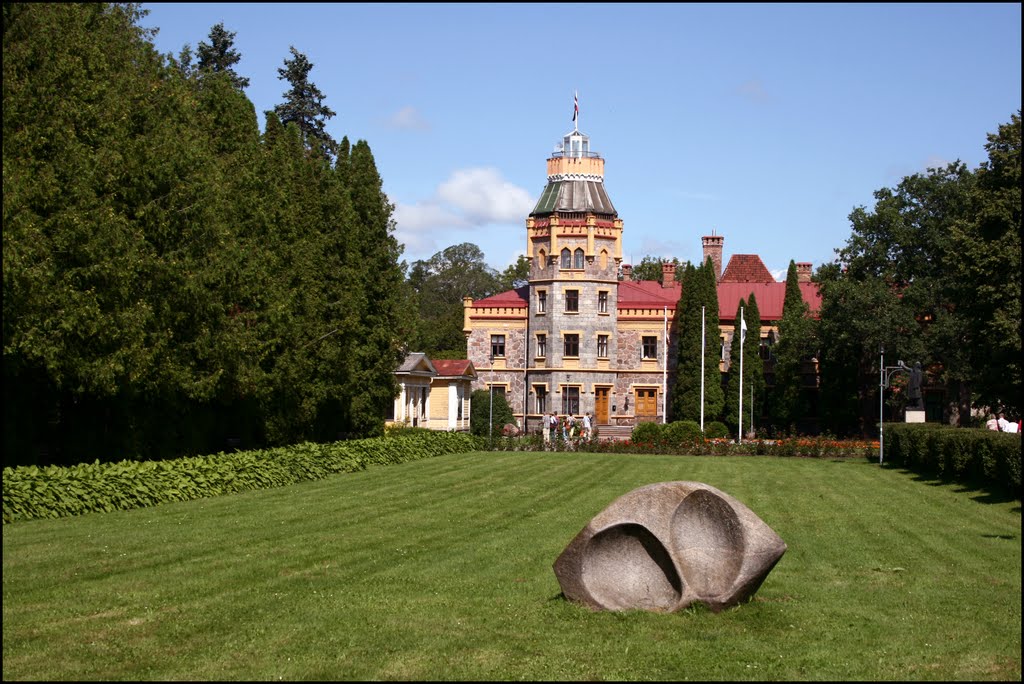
[{"x": 914, "y": 388}]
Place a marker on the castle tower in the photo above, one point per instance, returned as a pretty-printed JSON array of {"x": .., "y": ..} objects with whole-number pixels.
[{"x": 574, "y": 243}]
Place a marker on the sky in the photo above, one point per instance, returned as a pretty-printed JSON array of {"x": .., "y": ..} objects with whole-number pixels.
[{"x": 767, "y": 124}]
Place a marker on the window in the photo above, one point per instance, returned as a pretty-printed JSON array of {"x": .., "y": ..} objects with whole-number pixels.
[
  {"x": 572, "y": 345},
  {"x": 542, "y": 398},
  {"x": 460, "y": 398},
  {"x": 602, "y": 302},
  {"x": 571, "y": 400},
  {"x": 542, "y": 301},
  {"x": 572, "y": 301},
  {"x": 542, "y": 345},
  {"x": 542, "y": 259},
  {"x": 721, "y": 353},
  {"x": 497, "y": 346},
  {"x": 566, "y": 258},
  {"x": 499, "y": 390},
  {"x": 578, "y": 261},
  {"x": 650, "y": 347},
  {"x": 602, "y": 346}
]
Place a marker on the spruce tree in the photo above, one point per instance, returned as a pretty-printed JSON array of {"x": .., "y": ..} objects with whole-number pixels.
[
  {"x": 304, "y": 105},
  {"x": 220, "y": 57}
]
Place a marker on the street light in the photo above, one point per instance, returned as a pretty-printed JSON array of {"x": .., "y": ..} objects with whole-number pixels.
[
  {"x": 490, "y": 419},
  {"x": 885, "y": 374}
]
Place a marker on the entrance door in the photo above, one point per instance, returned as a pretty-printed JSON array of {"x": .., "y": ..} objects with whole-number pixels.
[
  {"x": 601, "y": 405},
  {"x": 646, "y": 403}
]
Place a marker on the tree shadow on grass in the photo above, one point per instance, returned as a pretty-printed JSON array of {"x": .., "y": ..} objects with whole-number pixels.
[{"x": 980, "y": 491}]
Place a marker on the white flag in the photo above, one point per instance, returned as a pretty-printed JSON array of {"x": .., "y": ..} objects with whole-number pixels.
[{"x": 743, "y": 330}]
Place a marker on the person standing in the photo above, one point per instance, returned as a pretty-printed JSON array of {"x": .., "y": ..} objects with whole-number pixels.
[
  {"x": 992, "y": 423},
  {"x": 586, "y": 425},
  {"x": 1002, "y": 422},
  {"x": 545, "y": 427}
]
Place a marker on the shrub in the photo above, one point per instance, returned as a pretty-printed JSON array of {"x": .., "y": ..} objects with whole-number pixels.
[
  {"x": 716, "y": 430},
  {"x": 680, "y": 432},
  {"x": 649, "y": 433}
]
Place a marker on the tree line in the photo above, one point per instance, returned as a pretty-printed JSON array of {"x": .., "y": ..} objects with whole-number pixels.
[{"x": 175, "y": 281}]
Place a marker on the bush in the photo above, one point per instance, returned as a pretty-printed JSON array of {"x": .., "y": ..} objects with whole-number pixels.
[
  {"x": 680, "y": 432},
  {"x": 54, "y": 491},
  {"x": 648, "y": 433},
  {"x": 716, "y": 430},
  {"x": 956, "y": 454},
  {"x": 480, "y": 413}
]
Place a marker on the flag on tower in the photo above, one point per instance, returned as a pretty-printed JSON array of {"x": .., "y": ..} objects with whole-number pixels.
[{"x": 575, "y": 106}]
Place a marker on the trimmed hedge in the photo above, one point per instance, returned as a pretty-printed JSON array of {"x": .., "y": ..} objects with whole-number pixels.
[
  {"x": 54, "y": 491},
  {"x": 957, "y": 454}
]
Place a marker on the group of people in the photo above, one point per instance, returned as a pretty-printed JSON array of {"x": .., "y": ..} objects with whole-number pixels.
[
  {"x": 567, "y": 427},
  {"x": 998, "y": 422}
]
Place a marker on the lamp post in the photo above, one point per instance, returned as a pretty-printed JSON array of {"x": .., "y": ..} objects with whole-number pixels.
[
  {"x": 885, "y": 374},
  {"x": 490, "y": 417}
]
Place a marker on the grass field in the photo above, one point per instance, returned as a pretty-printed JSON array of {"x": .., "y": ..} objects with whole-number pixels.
[{"x": 441, "y": 570}]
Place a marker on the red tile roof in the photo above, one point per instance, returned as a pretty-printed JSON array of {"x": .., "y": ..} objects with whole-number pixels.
[
  {"x": 746, "y": 268},
  {"x": 453, "y": 367}
]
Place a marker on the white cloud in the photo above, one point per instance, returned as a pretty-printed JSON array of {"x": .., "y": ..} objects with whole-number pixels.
[
  {"x": 780, "y": 274},
  {"x": 485, "y": 197},
  {"x": 408, "y": 118},
  {"x": 470, "y": 199}
]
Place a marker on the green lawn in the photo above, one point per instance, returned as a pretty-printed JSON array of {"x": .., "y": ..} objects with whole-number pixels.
[{"x": 441, "y": 569}]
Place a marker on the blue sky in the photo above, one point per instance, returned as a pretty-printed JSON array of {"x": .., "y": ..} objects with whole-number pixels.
[{"x": 767, "y": 124}]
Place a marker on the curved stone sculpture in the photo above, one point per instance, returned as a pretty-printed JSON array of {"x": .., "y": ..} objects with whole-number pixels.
[{"x": 665, "y": 546}]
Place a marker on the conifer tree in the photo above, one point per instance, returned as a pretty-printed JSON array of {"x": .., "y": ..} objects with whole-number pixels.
[
  {"x": 686, "y": 324},
  {"x": 732, "y": 387},
  {"x": 796, "y": 344},
  {"x": 220, "y": 57},
  {"x": 714, "y": 396},
  {"x": 304, "y": 105},
  {"x": 753, "y": 366},
  {"x": 381, "y": 318}
]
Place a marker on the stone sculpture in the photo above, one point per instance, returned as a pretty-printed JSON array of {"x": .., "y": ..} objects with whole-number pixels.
[{"x": 666, "y": 545}]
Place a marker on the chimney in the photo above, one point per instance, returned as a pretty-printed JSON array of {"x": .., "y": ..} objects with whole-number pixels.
[
  {"x": 627, "y": 272},
  {"x": 713, "y": 249},
  {"x": 803, "y": 272},
  {"x": 668, "y": 274}
]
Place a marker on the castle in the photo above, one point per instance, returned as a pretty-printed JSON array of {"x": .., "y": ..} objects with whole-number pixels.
[{"x": 577, "y": 338}]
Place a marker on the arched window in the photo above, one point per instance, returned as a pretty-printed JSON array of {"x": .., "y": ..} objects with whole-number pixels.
[
  {"x": 566, "y": 258},
  {"x": 542, "y": 259},
  {"x": 604, "y": 259},
  {"x": 579, "y": 259}
]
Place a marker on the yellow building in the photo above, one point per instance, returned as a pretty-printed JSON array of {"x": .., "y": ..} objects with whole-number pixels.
[{"x": 433, "y": 394}]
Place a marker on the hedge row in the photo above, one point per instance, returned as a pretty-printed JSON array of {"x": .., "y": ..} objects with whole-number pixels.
[
  {"x": 958, "y": 454},
  {"x": 54, "y": 491}
]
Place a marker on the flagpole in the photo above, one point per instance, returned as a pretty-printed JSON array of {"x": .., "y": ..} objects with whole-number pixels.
[
  {"x": 702, "y": 345},
  {"x": 743, "y": 339}
]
